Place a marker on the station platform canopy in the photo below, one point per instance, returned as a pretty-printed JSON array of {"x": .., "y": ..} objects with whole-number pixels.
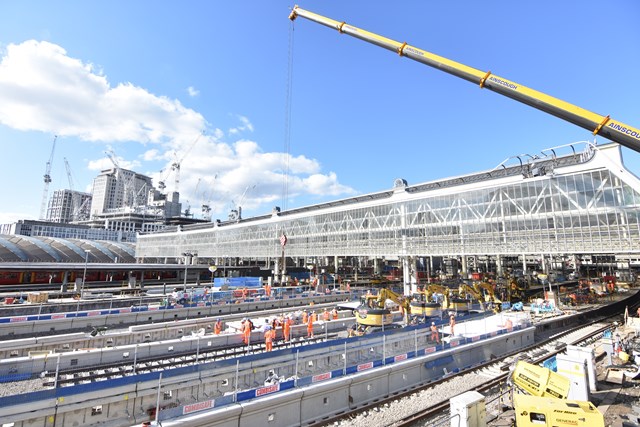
[{"x": 17, "y": 248}]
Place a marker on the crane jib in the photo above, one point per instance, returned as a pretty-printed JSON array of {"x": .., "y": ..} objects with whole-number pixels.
[
  {"x": 625, "y": 130},
  {"x": 597, "y": 124}
]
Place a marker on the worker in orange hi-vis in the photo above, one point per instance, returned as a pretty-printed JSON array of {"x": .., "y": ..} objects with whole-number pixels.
[
  {"x": 314, "y": 316},
  {"x": 452, "y": 323},
  {"x": 286, "y": 329},
  {"x": 217, "y": 327},
  {"x": 268, "y": 338},
  {"x": 508, "y": 324},
  {"x": 267, "y": 290},
  {"x": 246, "y": 332},
  {"x": 310, "y": 327},
  {"x": 305, "y": 316},
  {"x": 334, "y": 313},
  {"x": 435, "y": 336},
  {"x": 326, "y": 315}
]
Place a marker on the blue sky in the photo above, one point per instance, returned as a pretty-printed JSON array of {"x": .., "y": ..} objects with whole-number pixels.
[{"x": 145, "y": 78}]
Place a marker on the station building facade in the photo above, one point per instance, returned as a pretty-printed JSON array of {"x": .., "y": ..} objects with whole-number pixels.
[{"x": 552, "y": 210}]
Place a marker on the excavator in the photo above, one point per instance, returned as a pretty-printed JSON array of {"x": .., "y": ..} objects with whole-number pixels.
[
  {"x": 540, "y": 399},
  {"x": 372, "y": 314},
  {"x": 598, "y": 124},
  {"x": 490, "y": 298},
  {"x": 424, "y": 304}
]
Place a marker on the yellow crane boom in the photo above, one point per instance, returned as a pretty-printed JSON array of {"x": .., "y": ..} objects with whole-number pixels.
[{"x": 597, "y": 124}]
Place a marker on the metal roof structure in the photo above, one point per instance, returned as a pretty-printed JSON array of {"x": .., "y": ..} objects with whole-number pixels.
[{"x": 17, "y": 248}]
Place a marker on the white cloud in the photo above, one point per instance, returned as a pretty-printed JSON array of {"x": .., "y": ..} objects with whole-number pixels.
[
  {"x": 43, "y": 89},
  {"x": 193, "y": 92},
  {"x": 245, "y": 125}
]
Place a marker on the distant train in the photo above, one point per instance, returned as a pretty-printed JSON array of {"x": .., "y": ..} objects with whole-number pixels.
[{"x": 56, "y": 276}]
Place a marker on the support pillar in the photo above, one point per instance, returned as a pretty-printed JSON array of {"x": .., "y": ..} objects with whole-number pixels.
[
  {"x": 465, "y": 271},
  {"x": 499, "y": 270},
  {"x": 406, "y": 275}
]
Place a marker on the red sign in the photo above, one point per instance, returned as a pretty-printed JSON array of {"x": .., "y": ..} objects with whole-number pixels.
[
  {"x": 321, "y": 377},
  {"x": 266, "y": 390},
  {"x": 283, "y": 240},
  {"x": 400, "y": 357},
  {"x": 364, "y": 366},
  {"x": 187, "y": 409}
]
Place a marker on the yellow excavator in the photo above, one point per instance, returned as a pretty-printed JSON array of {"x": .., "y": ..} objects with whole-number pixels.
[
  {"x": 373, "y": 313},
  {"x": 487, "y": 289},
  {"x": 540, "y": 399},
  {"x": 423, "y": 303}
]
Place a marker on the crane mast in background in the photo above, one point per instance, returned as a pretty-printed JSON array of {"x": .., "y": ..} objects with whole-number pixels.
[
  {"x": 175, "y": 166},
  {"x": 75, "y": 202},
  {"x": 47, "y": 180},
  {"x": 236, "y": 211},
  {"x": 597, "y": 124}
]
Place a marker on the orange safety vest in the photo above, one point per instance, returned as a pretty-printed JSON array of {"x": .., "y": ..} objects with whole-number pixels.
[{"x": 217, "y": 328}]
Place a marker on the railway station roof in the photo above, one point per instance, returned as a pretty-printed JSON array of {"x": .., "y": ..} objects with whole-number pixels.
[{"x": 17, "y": 248}]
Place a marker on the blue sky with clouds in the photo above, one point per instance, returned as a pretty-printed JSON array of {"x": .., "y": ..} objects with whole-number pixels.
[{"x": 340, "y": 116}]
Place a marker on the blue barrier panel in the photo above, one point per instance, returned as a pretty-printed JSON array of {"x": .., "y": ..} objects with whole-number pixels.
[
  {"x": 14, "y": 377},
  {"x": 18, "y": 399},
  {"x": 438, "y": 362}
]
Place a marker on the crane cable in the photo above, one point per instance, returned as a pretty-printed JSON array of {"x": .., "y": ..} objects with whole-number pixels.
[{"x": 287, "y": 123}]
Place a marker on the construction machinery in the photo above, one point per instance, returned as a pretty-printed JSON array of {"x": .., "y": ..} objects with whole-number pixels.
[
  {"x": 540, "y": 399},
  {"x": 47, "y": 180},
  {"x": 465, "y": 291},
  {"x": 236, "y": 212},
  {"x": 373, "y": 313},
  {"x": 598, "y": 124},
  {"x": 175, "y": 166},
  {"x": 427, "y": 303},
  {"x": 491, "y": 300}
]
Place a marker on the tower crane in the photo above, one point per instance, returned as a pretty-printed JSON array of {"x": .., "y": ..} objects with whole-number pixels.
[
  {"x": 47, "y": 180},
  {"x": 236, "y": 212},
  {"x": 127, "y": 182},
  {"x": 598, "y": 124},
  {"x": 206, "y": 200},
  {"x": 175, "y": 166},
  {"x": 74, "y": 195}
]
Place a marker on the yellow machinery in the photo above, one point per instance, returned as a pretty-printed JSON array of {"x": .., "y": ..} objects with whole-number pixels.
[
  {"x": 490, "y": 298},
  {"x": 373, "y": 311},
  {"x": 545, "y": 402},
  {"x": 534, "y": 411},
  {"x": 539, "y": 381},
  {"x": 423, "y": 303},
  {"x": 465, "y": 290},
  {"x": 600, "y": 125}
]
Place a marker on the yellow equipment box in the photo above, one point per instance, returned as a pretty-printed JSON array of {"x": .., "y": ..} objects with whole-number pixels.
[
  {"x": 539, "y": 381},
  {"x": 534, "y": 411}
]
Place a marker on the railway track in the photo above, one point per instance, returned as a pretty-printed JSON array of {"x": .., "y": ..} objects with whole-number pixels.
[
  {"x": 69, "y": 377},
  {"x": 429, "y": 405}
]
